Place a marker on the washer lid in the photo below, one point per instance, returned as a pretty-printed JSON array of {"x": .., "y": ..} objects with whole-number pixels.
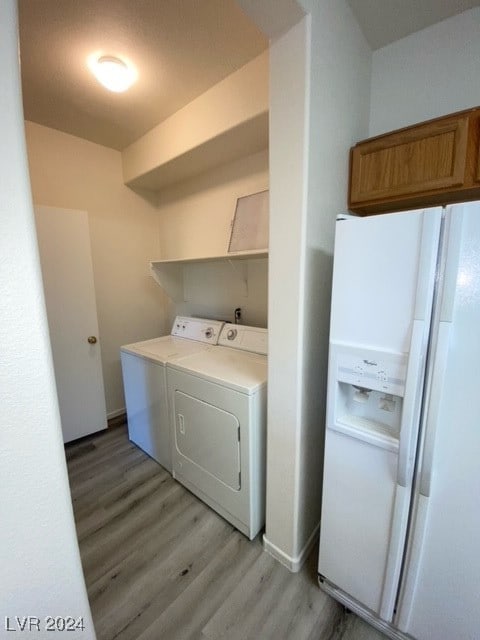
[
  {"x": 188, "y": 335},
  {"x": 238, "y": 370},
  {"x": 165, "y": 348}
]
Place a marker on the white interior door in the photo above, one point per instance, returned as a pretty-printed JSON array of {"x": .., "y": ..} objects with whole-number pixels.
[{"x": 65, "y": 256}]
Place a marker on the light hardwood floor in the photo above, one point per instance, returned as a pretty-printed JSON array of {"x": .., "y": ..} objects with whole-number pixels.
[{"x": 161, "y": 565}]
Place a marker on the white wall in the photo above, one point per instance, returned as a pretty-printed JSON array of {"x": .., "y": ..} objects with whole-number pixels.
[
  {"x": 195, "y": 217},
  {"x": 69, "y": 172},
  {"x": 427, "y": 74},
  {"x": 320, "y": 81},
  {"x": 39, "y": 558},
  {"x": 288, "y": 137},
  {"x": 339, "y": 83}
]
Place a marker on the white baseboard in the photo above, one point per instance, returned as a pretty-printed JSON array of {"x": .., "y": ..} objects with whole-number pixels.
[
  {"x": 115, "y": 414},
  {"x": 293, "y": 564}
]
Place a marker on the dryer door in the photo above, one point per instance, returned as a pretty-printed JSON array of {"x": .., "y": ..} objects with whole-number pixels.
[
  {"x": 208, "y": 457},
  {"x": 209, "y": 437}
]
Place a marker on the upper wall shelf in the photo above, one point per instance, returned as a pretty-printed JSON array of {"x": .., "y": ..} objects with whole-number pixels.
[
  {"x": 227, "y": 122},
  {"x": 169, "y": 274},
  {"x": 236, "y": 255},
  {"x": 246, "y": 139}
]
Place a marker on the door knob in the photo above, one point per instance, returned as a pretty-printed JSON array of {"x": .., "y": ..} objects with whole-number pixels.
[{"x": 92, "y": 340}]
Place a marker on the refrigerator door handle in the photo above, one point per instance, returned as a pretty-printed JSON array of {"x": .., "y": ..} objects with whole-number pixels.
[
  {"x": 434, "y": 406},
  {"x": 411, "y": 404},
  {"x": 451, "y": 278}
]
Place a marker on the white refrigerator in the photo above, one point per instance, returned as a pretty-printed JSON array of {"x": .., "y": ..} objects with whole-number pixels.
[{"x": 400, "y": 527}]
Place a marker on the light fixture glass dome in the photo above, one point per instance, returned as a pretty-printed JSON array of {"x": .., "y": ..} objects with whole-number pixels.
[{"x": 114, "y": 74}]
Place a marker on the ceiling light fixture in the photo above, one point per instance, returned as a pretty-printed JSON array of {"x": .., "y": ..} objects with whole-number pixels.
[{"x": 114, "y": 74}]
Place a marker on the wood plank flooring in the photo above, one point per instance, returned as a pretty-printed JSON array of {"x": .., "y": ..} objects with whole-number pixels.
[
  {"x": 159, "y": 564},
  {"x": 354, "y": 628}
]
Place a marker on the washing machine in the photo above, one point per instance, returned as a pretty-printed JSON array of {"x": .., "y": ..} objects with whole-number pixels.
[
  {"x": 144, "y": 381},
  {"x": 218, "y": 401}
]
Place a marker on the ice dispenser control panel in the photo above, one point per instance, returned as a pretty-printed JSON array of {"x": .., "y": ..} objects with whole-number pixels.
[
  {"x": 372, "y": 370},
  {"x": 366, "y": 399}
]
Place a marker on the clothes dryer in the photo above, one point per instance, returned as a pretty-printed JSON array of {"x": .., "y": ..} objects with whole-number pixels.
[
  {"x": 144, "y": 381},
  {"x": 217, "y": 401}
]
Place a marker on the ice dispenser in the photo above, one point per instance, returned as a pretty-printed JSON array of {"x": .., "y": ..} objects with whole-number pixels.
[{"x": 366, "y": 401}]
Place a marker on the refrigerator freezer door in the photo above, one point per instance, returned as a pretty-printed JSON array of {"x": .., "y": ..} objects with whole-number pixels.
[
  {"x": 384, "y": 273},
  {"x": 380, "y": 279},
  {"x": 440, "y": 596},
  {"x": 357, "y": 512}
]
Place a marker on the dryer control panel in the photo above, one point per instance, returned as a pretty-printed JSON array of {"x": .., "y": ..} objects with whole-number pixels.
[
  {"x": 239, "y": 336},
  {"x": 200, "y": 329}
]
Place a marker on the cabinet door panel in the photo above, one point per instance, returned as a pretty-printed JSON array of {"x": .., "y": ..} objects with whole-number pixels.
[
  {"x": 421, "y": 158},
  {"x": 477, "y": 175}
]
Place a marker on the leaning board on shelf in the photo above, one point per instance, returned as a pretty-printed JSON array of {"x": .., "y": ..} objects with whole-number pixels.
[{"x": 250, "y": 223}]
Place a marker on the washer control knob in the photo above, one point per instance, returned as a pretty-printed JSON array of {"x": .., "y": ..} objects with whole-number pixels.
[
  {"x": 209, "y": 332},
  {"x": 231, "y": 334}
]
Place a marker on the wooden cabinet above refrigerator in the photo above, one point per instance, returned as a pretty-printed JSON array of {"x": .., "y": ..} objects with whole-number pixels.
[{"x": 434, "y": 162}]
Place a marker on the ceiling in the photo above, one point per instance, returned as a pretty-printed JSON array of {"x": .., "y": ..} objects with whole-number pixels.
[
  {"x": 385, "y": 21},
  {"x": 181, "y": 48}
]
